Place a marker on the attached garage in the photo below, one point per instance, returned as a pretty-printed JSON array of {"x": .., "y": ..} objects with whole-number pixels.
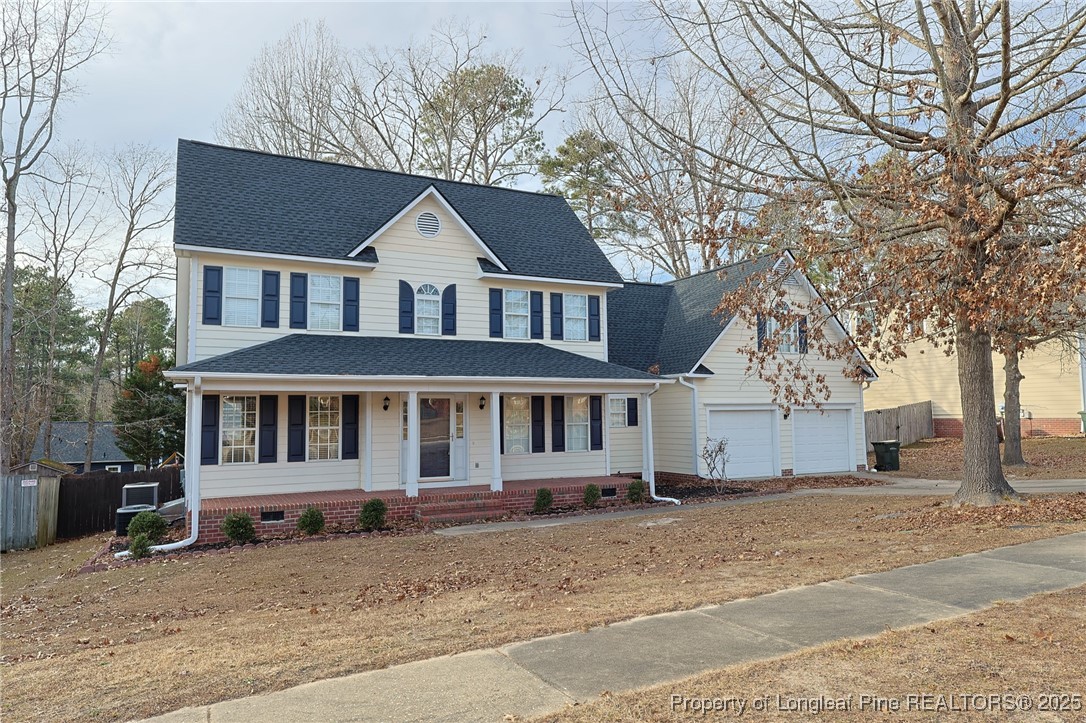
[
  {"x": 821, "y": 441},
  {"x": 752, "y": 442}
]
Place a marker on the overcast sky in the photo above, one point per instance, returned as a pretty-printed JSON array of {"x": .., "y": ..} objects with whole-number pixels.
[{"x": 174, "y": 66}]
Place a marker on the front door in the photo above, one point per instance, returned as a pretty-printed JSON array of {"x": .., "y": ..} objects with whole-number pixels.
[{"x": 435, "y": 437}]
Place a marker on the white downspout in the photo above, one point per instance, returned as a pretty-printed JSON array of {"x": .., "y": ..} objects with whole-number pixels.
[
  {"x": 693, "y": 425},
  {"x": 192, "y": 481},
  {"x": 647, "y": 453},
  {"x": 1082, "y": 373}
]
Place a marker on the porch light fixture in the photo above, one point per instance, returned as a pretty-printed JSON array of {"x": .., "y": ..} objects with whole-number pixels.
[
  {"x": 387, "y": 402},
  {"x": 482, "y": 402}
]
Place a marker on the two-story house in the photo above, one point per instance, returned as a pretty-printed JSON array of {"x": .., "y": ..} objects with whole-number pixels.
[{"x": 344, "y": 332}]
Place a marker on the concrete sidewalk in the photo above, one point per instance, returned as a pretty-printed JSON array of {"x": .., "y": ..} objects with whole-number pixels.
[{"x": 543, "y": 675}]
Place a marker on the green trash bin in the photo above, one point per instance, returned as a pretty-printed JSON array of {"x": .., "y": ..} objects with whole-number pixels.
[{"x": 887, "y": 455}]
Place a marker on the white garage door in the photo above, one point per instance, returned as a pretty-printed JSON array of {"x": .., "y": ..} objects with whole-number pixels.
[
  {"x": 750, "y": 441},
  {"x": 821, "y": 441}
]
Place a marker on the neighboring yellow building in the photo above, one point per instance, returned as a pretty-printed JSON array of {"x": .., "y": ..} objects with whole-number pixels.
[{"x": 1053, "y": 391}]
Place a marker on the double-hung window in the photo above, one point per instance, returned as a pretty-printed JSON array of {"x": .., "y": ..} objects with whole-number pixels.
[
  {"x": 789, "y": 338},
  {"x": 238, "y": 426},
  {"x": 577, "y": 424},
  {"x": 323, "y": 427},
  {"x": 516, "y": 314},
  {"x": 518, "y": 424},
  {"x": 575, "y": 313},
  {"x": 428, "y": 310},
  {"x": 325, "y": 302},
  {"x": 241, "y": 297},
  {"x": 616, "y": 411}
]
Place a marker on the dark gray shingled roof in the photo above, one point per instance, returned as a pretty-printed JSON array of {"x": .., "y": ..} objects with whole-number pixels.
[
  {"x": 70, "y": 443},
  {"x": 319, "y": 354},
  {"x": 672, "y": 324},
  {"x": 254, "y": 201}
]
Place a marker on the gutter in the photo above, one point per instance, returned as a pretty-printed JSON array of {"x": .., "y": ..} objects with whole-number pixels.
[
  {"x": 192, "y": 486},
  {"x": 652, "y": 475},
  {"x": 693, "y": 423}
]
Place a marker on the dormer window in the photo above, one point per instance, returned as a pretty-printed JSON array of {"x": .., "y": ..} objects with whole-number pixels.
[{"x": 427, "y": 310}]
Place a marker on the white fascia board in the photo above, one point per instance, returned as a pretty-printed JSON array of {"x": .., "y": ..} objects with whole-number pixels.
[
  {"x": 549, "y": 280},
  {"x": 362, "y": 265},
  {"x": 431, "y": 191}
]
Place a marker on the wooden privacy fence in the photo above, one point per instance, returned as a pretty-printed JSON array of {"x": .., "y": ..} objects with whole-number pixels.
[
  {"x": 907, "y": 424},
  {"x": 88, "y": 502},
  {"x": 28, "y": 511}
]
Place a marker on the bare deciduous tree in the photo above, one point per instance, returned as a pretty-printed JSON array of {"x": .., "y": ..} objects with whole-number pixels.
[
  {"x": 43, "y": 44},
  {"x": 908, "y": 133}
]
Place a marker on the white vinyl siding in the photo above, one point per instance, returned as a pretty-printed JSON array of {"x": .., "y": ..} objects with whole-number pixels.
[
  {"x": 238, "y": 430},
  {"x": 577, "y": 424},
  {"x": 518, "y": 424},
  {"x": 428, "y": 310},
  {"x": 617, "y": 411},
  {"x": 325, "y": 302},
  {"x": 516, "y": 314},
  {"x": 241, "y": 297},
  {"x": 323, "y": 427},
  {"x": 575, "y": 317}
]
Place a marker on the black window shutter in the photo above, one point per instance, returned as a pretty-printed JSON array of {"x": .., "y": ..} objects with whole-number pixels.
[
  {"x": 761, "y": 331},
  {"x": 269, "y": 428},
  {"x": 209, "y": 430},
  {"x": 631, "y": 411},
  {"x": 349, "y": 422},
  {"x": 213, "y": 295},
  {"x": 299, "y": 290},
  {"x": 593, "y": 318},
  {"x": 539, "y": 424},
  {"x": 556, "y": 316},
  {"x": 537, "y": 315},
  {"x": 558, "y": 424},
  {"x": 269, "y": 300},
  {"x": 407, "y": 308},
  {"x": 496, "y": 321},
  {"x": 595, "y": 422},
  {"x": 296, "y": 414},
  {"x": 803, "y": 334},
  {"x": 448, "y": 311},
  {"x": 501, "y": 424},
  {"x": 351, "y": 293}
]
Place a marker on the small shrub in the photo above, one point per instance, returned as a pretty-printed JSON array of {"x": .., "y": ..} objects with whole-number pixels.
[
  {"x": 592, "y": 495},
  {"x": 372, "y": 516},
  {"x": 148, "y": 523},
  {"x": 637, "y": 492},
  {"x": 544, "y": 500},
  {"x": 238, "y": 527},
  {"x": 139, "y": 546},
  {"x": 311, "y": 521}
]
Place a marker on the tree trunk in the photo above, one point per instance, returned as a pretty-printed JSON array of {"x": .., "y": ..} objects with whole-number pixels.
[
  {"x": 7, "y": 341},
  {"x": 1012, "y": 406},
  {"x": 983, "y": 482}
]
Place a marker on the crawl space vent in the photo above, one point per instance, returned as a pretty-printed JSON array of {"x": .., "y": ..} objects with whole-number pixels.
[{"x": 428, "y": 224}]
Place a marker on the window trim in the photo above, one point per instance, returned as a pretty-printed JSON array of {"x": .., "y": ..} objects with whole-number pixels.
[
  {"x": 114, "y": 468},
  {"x": 222, "y": 428},
  {"x": 789, "y": 343},
  {"x": 338, "y": 427},
  {"x": 587, "y": 423},
  {"x": 227, "y": 297},
  {"x": 611, "y": 412},
  {"x": 527, "y": 315},
  {"x": 419, "y": 296},
  {"x": 566, "y": 317},
  {"x": 507, "y": 407},
  {"x": 310, "y": 303}
]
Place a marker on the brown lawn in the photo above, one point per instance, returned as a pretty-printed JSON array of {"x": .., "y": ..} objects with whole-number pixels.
[
  {"x": 141, "y": 640},
  {"x": 1046, "y": 458},
  {"x": 1036, "y": 647}
]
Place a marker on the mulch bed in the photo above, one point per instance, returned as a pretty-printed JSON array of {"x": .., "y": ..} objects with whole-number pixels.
[{"x": 694, "y": 493}]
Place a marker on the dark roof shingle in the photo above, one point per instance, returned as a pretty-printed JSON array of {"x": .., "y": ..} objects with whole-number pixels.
[{"x": 70, "y": 443}]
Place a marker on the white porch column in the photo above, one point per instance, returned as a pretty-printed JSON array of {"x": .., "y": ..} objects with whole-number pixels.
[
  {"x": 495, "y": 442},
  {"x": 412, "y": 444},
  {"x": 647, "y": 464},
  {"x": 367, "y": 446}
]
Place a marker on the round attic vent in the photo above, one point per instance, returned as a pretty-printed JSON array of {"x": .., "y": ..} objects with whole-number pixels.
[{"x": 428, "y": 224}]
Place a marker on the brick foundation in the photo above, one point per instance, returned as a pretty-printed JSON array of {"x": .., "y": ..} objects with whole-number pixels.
[
  {"x": 342, "y": 507},
  {"x": 1051, "y": 427}
]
